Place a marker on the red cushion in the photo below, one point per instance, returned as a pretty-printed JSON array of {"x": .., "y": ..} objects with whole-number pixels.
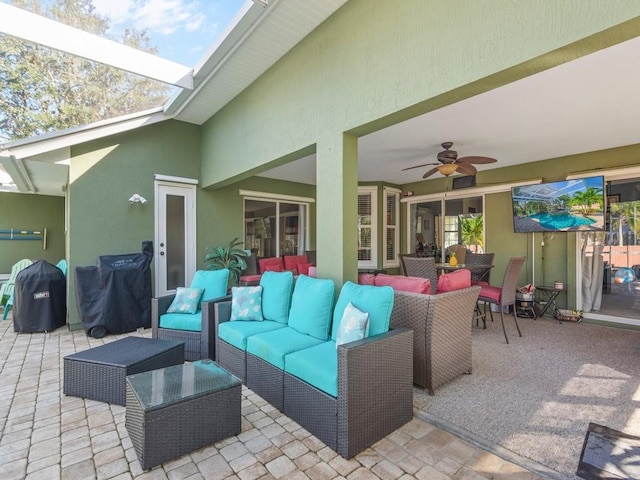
[
  {"x": 250, "y": 278},
  {"x": 303, "y": 268},
  {"x": 456, "y": 280},
  {"x": 263, "y": 262},
  {"x": 291, "y": 262},
  {"x": 273, "y": 268},
  {"x": 366, "y": 279},
  {"x": 313, "y": 271},
  {"x": 404, "y": 284},
  {"x": 490, "y": 294}
]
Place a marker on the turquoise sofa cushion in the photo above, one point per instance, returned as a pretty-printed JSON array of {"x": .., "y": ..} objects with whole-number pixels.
[
  {"x": 312, "y": 306},
  {"x": 317, "y": 365},
  {"x": 376, "y": 301},
  {"x": 187, "y": 300},
  {"x": 182, "y": 321},
  {"x": 214, "y": 283},
  {"x": 236, "y": 333},
  {"x": 276, "y": 295},
  {"x": 273, "y": 346}
]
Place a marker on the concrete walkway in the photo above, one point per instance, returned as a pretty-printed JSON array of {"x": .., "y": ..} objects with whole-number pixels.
[{"x": 47, "y": 435}]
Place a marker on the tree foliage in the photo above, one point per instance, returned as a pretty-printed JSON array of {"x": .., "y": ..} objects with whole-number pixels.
[{"x": 44, "y": 90}]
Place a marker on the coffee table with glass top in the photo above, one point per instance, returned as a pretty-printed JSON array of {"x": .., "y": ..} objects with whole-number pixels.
[{"x": 175, "y": 410}]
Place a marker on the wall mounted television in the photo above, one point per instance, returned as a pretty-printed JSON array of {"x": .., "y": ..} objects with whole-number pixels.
[{"x": 565, "y": 206}]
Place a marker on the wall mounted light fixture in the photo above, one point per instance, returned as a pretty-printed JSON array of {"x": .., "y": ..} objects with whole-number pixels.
[{"x": 136, "y": 198}]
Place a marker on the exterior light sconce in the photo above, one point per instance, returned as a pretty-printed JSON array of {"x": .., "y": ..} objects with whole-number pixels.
[{"x": 136, "y": 198}]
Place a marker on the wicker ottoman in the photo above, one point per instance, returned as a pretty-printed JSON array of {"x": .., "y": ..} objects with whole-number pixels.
[
  {"x": 175, "y": 410},
  {"x": 100, "y": 373}
]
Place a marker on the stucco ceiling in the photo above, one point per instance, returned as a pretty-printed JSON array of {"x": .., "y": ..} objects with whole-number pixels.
[{"x": 589, "y": 104}]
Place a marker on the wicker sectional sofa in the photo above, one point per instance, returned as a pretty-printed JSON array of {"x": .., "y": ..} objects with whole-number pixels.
[{"x": 349, "y": 395}]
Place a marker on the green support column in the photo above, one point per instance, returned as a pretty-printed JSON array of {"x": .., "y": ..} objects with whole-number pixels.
[{"x": 336, "y": 208}]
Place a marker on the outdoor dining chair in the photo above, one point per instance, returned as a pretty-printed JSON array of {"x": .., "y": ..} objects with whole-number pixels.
[
  {"x": 504, "y": 296},
  {"x": 424, "y": 267},
  {"x": 478, "y": 277}
]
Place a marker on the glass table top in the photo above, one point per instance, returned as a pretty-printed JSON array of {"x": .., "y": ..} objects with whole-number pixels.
[{"x": 169, "y": 385}]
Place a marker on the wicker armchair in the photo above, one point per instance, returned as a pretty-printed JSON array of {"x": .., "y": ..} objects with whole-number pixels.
[
  {"x": 441, "y": 333},
  {"x": 424, "y": 267}
]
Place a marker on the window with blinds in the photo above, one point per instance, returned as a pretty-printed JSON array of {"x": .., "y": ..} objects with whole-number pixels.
[
  {"x": 392, "y": 230},
  {"x": 367, "y": 208}
]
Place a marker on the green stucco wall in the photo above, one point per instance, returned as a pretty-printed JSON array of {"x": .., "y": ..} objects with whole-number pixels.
[
  {"x": 373, "y": 64},
  {"x": 31, "y": 212},
  {"x": 105, "y": 173}
]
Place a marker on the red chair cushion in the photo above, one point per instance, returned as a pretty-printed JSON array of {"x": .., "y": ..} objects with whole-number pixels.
[
  {"x": 303, "y": 268},
  {"x": 313, "y": 272},
  {"x": 456, "y": 280},
  {"x": 291, "y": 262},
  {"x": 250, "y": 278},
  {"x": 404, "y": 284},
  {"x": 273, "y": 268},
  {"x": 263, "y": 262},
  {"x": 490, "y": 294},
  {"x": 366, "y": 279}
]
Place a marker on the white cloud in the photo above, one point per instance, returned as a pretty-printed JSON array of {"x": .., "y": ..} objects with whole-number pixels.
[{"x": 156, "y": 16}]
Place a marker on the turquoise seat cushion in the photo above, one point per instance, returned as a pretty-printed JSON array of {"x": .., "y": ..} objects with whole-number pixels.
[
  {"x": 312, "y": 306},
  {"x": 276, "y": 295},
  {"x": 236, "y": 333},
  {"x": 376, "y": 301},
  {"x": 182, "y": 321},
  {"x": 317, "y": 365},
  {"x": 213, "y": 282},
  {"x": 273, "y": 346}
]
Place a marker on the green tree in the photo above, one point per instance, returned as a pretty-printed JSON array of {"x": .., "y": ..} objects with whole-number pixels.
[
  {"x": 472, "y": 232},
  {"x": 44, "y": 90}
]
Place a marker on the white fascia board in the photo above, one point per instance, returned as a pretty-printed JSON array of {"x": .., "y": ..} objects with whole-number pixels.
[
  {"x": 47, "y": 143},
  {"x": 34, "y": 28}
]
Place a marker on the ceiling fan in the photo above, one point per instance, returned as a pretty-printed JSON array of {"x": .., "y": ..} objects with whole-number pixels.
[{"x": 450, "y": 163}]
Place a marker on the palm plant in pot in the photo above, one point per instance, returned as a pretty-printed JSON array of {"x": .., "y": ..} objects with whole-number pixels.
[{"x": 227, "y": 256}]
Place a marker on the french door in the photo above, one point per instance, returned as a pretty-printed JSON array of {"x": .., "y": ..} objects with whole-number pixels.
[{"x": 175, "y": 227}]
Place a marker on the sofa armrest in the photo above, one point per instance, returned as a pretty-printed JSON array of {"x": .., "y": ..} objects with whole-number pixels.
[
  {"x": 208, "y": 330},
  {"x": 159, "y": 306},
  {"x": 375, "y": 388}
]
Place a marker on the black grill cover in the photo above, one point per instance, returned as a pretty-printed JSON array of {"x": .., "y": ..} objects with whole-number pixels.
[
  {"x": 39, "y": 299},
  {"x": 115, "y": 296}
]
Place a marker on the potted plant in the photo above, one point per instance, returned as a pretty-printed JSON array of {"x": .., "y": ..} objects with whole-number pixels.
[{"x": 229, "y": 256}]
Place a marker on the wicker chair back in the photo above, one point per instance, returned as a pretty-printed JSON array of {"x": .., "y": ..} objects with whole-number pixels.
[
  {"x": 424, "y": 267},
  {"x": 473, "y": 259}
]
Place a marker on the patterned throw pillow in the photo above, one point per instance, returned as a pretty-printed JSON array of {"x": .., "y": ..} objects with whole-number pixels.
[
  {"x": 187, "y": 300},
  {"x": 246, "y": 303},
  {"x": 354, "y": 325}
]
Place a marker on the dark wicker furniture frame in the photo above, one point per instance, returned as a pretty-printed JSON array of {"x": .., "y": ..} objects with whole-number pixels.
[
  {"x": 100, "y": 373},
  {"x": 164, "y": 433},
  {"x": 197, "y": 345},
  {"x": 375, "y": 391},
  {"x": 441, "y": 327},
  {"x": 424, "y": 267}
]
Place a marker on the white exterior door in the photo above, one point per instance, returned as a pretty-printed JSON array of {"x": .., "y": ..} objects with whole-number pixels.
[{"x": 175, "y": 236}]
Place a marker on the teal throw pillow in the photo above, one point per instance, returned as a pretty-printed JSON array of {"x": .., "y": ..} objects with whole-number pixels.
[
  {"x": 354, "y": 325},
  {"x": 246, "y": 303},
  {"x": 187, "y": 300}
]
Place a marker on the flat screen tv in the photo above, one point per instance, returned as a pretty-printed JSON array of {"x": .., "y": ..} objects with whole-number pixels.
[{"x": 565, "y": 206}]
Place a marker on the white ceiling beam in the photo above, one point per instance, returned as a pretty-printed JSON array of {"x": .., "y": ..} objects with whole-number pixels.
[
  {"x": 34, "y": 28},
  {"x": 18, "y": 173}
]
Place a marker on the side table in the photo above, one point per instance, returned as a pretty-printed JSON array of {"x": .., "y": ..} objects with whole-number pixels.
[
  {"x": 546, "y": 299},
  {"x": 175, "y": 410}
]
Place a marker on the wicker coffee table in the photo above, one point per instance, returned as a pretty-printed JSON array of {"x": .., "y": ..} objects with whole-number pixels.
[
  {"x": 175, "y": 410},
  {"x": 99, "y": 373}
]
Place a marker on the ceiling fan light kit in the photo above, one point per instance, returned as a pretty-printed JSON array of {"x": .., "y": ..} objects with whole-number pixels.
[{"x": 449, "y": 163}]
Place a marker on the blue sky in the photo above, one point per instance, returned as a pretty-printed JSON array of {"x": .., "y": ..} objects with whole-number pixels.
[{"x": 183, "y": 30}]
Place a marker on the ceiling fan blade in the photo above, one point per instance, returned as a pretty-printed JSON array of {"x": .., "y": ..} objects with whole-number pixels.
[
  {"x": 466, "y": 168},
  {"x": 430, "y": 172},
  {"x": 419, "y": 166},
  {"x": 477, "y": 160}
]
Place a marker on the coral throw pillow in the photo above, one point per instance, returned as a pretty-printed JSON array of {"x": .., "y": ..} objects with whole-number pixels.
[
  {"x": 456, "y": 280},
  {"x": 404, "y": 284}
]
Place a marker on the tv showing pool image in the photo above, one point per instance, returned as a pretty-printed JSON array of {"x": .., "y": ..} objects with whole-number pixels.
[{"x": 565, "y": 206}]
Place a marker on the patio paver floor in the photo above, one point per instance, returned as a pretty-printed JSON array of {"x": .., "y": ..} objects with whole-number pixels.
[{"x": 47, "y": 435}]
